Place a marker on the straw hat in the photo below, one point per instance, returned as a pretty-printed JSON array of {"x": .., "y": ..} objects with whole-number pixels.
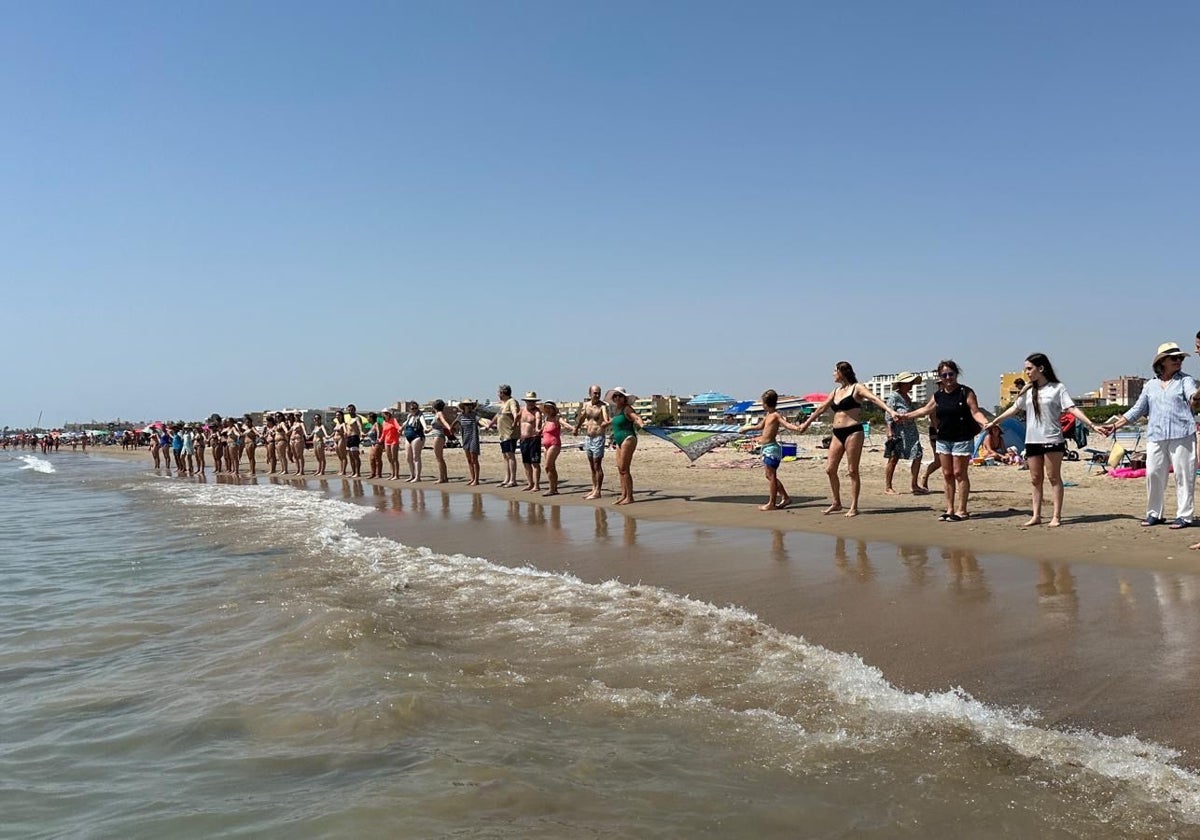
[
  {"x": 531, "y": 396},
  {"x": 468, "y": 401},
  {"x": 1170, "y": 348},
  {"x": 907, "y": 377},
  {"x": 550, "y": 403}
]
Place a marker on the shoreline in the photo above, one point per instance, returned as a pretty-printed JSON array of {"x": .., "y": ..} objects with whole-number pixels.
[{"x": 1100, "y": 523}]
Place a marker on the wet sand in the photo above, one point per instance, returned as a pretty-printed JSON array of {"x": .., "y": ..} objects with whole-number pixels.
[{"x": 1095, "y": 625}]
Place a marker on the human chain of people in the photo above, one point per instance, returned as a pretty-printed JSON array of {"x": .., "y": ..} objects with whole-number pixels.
[{"x": 531, "y": 430}]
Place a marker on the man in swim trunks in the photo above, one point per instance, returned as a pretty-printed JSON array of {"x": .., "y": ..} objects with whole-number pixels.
[
  {"x": 530, "y": 442},
  {"x": 594, "y": 419},
  {"x": 772, "y": 452},
  {"x": 506, "y": 424},
  {"x": 354, "y": 431}
]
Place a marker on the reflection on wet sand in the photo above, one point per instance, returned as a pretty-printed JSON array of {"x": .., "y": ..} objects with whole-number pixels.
[
  {"x": 1179, "y": 610},
  {"x": 965, "y": 574},
  {"x": 601, "y": 524},
  {"x": 1056, "y": 592},
  {"x": 861, "y": 569},
  {"x": 915, "y": 558},
  {"x": 477, "y": 512},
  {"x": 778, "y": 547}
]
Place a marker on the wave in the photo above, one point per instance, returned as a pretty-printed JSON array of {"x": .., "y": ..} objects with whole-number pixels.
[
  {"x": 32, "y": 462},
  {"x": 799, "y": 702}
]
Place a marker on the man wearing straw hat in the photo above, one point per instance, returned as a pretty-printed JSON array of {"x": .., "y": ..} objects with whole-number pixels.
[{"x": 1168, "y": 402}]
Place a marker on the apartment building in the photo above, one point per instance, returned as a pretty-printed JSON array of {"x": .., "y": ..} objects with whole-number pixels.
[{"x": 882, "y": 385}]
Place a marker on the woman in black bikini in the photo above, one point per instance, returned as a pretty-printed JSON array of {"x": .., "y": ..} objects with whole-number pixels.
[{"x": 845, "y": 400}]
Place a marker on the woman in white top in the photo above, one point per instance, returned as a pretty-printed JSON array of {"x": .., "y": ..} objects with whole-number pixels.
[{"x": 1043, "y": 401}]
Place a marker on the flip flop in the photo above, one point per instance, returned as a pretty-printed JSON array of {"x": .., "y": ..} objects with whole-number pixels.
[
  {"x": 954, "y": 517},
  {"x": 946, "y": 517}
]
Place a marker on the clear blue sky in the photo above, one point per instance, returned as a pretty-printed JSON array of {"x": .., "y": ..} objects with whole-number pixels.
[{"x": 228, "y": 206}]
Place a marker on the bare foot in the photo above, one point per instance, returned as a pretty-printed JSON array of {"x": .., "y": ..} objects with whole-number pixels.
[
  {"x": 920, "y": 491},
  {"x": 1194, "y": 547},
  {"x": 1033, "y": 521},
  {"x": 833, "y": 508},
  {"x": 592, "y": 496},
  {"x": 550, "y": 493},
  {"x": 767, "y": 506},
  {"x": 780, "y": 505},
  {"x": 1054, "y": 523},
  {"x": 852, "y": 512},
  {"x": 889, "y": 491}
]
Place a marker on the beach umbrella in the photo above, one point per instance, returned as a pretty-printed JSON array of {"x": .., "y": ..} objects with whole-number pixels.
[{"x": 817, "y": 397}]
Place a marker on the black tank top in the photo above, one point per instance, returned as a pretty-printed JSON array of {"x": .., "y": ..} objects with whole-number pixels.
[{"x": 954, "y": 420}]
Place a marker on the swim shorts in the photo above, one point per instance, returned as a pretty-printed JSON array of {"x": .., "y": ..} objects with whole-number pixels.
[
  {"x": 593, "y": 445},
  {"x": 531, "y": 450},
  {"x": 352, "y": 442},
  {"x": 508, "y": 447},
  {"x": 772, "y": 454}
]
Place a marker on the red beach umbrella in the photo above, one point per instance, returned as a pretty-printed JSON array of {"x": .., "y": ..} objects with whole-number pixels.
[{"x": 817, "y": 397}]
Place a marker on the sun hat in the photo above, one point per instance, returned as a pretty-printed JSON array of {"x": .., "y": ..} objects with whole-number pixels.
[
  {"x": 468, "y": 401},
  {"x": 1170, "y": 348},
  {"x": 550, "y": 402},
  {"x": 531, "y": 395},
  {"x": 619, "y": 390},
  {"x": 907, "y": 376}
]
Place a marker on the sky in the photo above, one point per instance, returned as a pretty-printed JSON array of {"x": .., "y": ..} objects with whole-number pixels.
[{"x": 223, "y": 207}]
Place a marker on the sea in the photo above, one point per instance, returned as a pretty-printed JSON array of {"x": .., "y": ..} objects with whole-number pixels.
[{"x": 185, "y": 659}]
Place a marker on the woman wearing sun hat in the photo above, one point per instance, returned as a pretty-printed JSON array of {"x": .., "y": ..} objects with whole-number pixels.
[
  {"x": 625, "y": 423},
  {"x": 1168, "y": 402}
]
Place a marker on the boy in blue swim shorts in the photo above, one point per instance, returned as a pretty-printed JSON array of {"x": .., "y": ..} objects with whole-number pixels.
[{"x": 772, "y": 452}]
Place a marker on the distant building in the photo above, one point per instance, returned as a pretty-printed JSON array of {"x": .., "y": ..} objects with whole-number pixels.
[
  {"x": 1123, "y": 390},
  {"x": 1009, "y": 387},
  {"x": 1089, "y": 400},
  {"x": 657, "y": 407},
  {"x": 882, "y": 385},
  {"x": 703, "y": 409}
]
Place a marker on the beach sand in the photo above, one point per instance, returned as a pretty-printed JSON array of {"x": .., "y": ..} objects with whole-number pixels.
[{"x": 1094, "y": 624}]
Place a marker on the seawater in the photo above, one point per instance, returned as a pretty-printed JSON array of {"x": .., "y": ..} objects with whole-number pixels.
[{"x": 185, "y": 659}]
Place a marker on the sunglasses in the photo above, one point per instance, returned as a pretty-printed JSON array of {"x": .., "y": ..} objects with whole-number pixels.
[{"x": 947, "y": 375}]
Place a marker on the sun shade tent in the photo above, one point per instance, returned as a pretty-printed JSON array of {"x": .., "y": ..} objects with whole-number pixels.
[{"x": 1012, "y": 431}]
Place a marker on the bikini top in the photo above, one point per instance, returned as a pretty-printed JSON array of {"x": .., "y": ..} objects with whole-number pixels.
[{"x": 847, "y": 403}]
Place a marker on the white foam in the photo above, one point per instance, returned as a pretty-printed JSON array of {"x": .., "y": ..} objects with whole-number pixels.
[
  {"x": 683, "y": 637},
  {"x": 32, "y": 462}
]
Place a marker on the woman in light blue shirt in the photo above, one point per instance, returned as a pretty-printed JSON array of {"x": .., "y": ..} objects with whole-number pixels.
[{"x": 1168, "y": 403}]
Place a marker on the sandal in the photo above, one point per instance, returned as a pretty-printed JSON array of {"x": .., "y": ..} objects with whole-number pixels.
[
  {"x": 1152, "y": 520},
  {"x": 946, "y": 517},
  {"x": 1181, "y": 523},
  {"x": 957, "y": 517}
]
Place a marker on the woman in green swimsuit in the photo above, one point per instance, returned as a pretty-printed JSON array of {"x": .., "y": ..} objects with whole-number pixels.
[{"x": 625, "y": 424}]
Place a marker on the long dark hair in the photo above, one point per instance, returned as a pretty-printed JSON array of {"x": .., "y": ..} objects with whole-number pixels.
[
  {"x": 847, "y": 372},
  {"x": 1039, "y": 360}
]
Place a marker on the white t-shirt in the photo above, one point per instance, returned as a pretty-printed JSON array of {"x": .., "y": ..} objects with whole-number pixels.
[{"x": 1053, "y": 400}]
